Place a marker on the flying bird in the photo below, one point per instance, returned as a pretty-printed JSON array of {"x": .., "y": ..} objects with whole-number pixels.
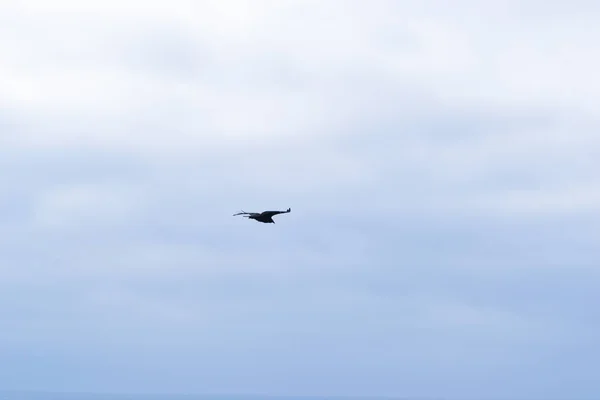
[{"x": 265, "y": 216}]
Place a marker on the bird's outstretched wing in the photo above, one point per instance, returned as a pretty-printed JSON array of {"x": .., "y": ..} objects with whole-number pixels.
[
  {"x": 242, "y": 213},
  {"x": 271, "y": 213}
]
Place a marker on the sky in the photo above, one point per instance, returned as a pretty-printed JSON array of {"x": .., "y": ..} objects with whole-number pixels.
[{"x": 440, "y": 159}]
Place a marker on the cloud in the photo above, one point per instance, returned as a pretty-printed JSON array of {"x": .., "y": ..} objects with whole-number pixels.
[{"x": 439, "y": 162}]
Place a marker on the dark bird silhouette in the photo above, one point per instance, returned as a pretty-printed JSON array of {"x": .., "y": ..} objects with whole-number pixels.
[{"x": 265, "y": 216}]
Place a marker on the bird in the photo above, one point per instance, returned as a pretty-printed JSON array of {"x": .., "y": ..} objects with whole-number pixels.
[{"x": 265, "y": 216}]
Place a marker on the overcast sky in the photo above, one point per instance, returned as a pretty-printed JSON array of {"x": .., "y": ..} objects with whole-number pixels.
[{"x": 441, "y": 160}]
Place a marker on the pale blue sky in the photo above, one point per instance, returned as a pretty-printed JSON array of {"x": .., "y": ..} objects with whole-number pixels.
[{"x": 440, "y": 161}]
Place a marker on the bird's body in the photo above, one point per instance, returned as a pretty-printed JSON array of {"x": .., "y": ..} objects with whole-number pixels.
[{"x": 265, "y": 216}]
